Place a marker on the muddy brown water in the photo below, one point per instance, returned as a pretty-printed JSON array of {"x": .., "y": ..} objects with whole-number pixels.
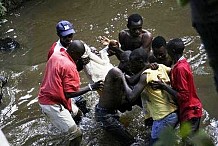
[{"x": 33, "y": 26}]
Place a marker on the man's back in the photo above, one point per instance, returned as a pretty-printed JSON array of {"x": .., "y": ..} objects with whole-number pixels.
[{"x": 113, "y": 90}]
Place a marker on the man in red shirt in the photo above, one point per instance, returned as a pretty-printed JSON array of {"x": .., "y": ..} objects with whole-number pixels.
[
  {"x": 65, "y": 31},
  {"x": 183, "y": 88},
  {"x": 61, "y": 82}
]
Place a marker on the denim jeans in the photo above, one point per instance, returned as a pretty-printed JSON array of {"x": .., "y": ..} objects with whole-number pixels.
[
  {"x": 159, "y": 125},
  {"x": 109, "y": 121}
]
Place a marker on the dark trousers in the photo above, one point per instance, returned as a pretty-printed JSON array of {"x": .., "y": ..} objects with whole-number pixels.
[
  {"x": 109, "y": 120},
  {"x": 209, "y": 36}
]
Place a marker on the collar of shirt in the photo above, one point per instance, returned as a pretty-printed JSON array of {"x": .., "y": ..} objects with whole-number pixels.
[
  {"x": 181, "y": 58},
  {"x": 61, "y": 46}
]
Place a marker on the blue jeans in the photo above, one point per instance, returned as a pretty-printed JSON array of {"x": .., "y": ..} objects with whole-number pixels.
[
  {"x": 109, "y": 120},
  {"x": 159, "y": 125}
]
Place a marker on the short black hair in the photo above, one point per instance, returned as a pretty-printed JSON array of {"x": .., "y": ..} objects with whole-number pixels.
[
  {"x": 158, "y": 42},
  {"x": 176, "y": 45},
  {"x": 134, "y": 18},
  {"x": 139, "y": 54},
  {"x": 76, "y": 46}
]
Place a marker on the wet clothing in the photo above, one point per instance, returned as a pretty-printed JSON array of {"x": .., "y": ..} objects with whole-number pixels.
[
  {"x": 160, "y": 105},
  {"x": 56, "y": 112},
  {"x": 205, "y": 21},
  {"x": 182, "y": 81},
  {"x": 159, "y": 102},
  {"x": 159, "y": 125},
  {"x": 109, "y": 121},
  {"x": 57, "y": 47},
  {"x": 60, "y": 76}
]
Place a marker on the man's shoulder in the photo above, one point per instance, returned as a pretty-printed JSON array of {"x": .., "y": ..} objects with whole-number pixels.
[
  {"x": 146, "y": 33},
  {"x": 124, "y": 32},
  {"x": 115, "y": 70}
]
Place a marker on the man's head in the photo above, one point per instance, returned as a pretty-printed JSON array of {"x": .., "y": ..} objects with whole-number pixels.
[
  {"x": 138, "y": 59},
  {"x": 134, "y": 24},
  {"x": 175, "y": 47},
  {"x": 76, "y": 49},
  {"x": 159, "y": 48},
  {"x": 65, "y": 31},
  {"x": 124, "y": 62}
]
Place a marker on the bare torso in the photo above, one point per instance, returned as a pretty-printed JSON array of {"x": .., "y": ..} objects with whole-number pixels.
[
  {"x": 129, "y": 42},
  {"x": 113, "y": 92}
]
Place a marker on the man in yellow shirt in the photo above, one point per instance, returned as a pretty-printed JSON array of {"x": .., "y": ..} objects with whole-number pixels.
[{"x": 159, "y": 103}]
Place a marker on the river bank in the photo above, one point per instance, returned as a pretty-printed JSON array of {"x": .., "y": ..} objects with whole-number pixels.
[{"x": 10, "y": 5}]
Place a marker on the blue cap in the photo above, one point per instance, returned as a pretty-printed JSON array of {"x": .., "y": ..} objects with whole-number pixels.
[{"x": 64, "y": 28}]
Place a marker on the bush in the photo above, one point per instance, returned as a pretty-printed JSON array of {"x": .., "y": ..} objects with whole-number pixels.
[{"x": 2, "y": 9}]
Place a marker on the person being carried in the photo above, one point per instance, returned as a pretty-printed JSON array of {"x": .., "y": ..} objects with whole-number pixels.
[
  {"x": 61, "y": 82},
  {"x": 159, "y": 103},
  {"x": 183, "y": 87}
]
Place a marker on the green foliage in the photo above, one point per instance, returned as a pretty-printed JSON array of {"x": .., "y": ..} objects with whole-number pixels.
[
  {"x": 185, "y": 130},
  {"x": 2, "y": 9},
  {"x": 202, "y": 139},
  {"x": 167, "y": 138},
  {"x": 170, "y": 137},
  {"x": 182, "y": 2}
]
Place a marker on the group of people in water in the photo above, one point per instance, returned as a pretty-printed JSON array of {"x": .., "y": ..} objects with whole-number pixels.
[{"x": 152, "y": 74}]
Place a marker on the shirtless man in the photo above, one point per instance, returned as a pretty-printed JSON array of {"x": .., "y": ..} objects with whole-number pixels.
[
  {"x": 131, "y": 38},
  {"x": 135, "y": 37},
  {"x": 111, "y": 99}
]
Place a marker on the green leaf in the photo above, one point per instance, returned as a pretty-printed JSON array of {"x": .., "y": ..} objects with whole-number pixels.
[
  {"x": 182, "y": 2},
  {"x": 185, "y": 130},
  {"x": 202, "y": 139},
  {"x": 167, "y": 138}
]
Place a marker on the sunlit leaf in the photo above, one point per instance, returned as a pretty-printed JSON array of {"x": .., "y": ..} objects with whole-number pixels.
[
  {"x": 185, "y": 130},
  {"x": 182, "y": 2}
]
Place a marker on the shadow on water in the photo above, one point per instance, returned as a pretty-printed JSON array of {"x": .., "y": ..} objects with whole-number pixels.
[{"x": 33, "y": 26}]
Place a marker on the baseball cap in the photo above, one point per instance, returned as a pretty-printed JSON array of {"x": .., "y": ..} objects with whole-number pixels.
[{"x": 64, "y": 28}]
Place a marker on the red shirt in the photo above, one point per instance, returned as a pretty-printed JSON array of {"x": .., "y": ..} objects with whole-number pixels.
[
  {"x": 182, "y": 81},
  {"x": 60, "y": 76},
  {"x": 56, "y": 47}
]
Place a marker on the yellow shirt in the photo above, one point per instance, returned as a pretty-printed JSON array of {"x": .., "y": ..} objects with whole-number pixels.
[{"x": 158, "y": 102}]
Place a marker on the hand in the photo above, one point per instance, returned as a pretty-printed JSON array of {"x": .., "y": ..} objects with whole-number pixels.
[
  {"x": 157, "y": 85},
  {"x": 94, "y": 50},
  {"x": 104, "y": 40},
  {"x": 113, "y": 46},
  {"x": 154, "y": 66},
  {"x": 97, "y": 85},
  {"x": 85, "y": 60}
]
